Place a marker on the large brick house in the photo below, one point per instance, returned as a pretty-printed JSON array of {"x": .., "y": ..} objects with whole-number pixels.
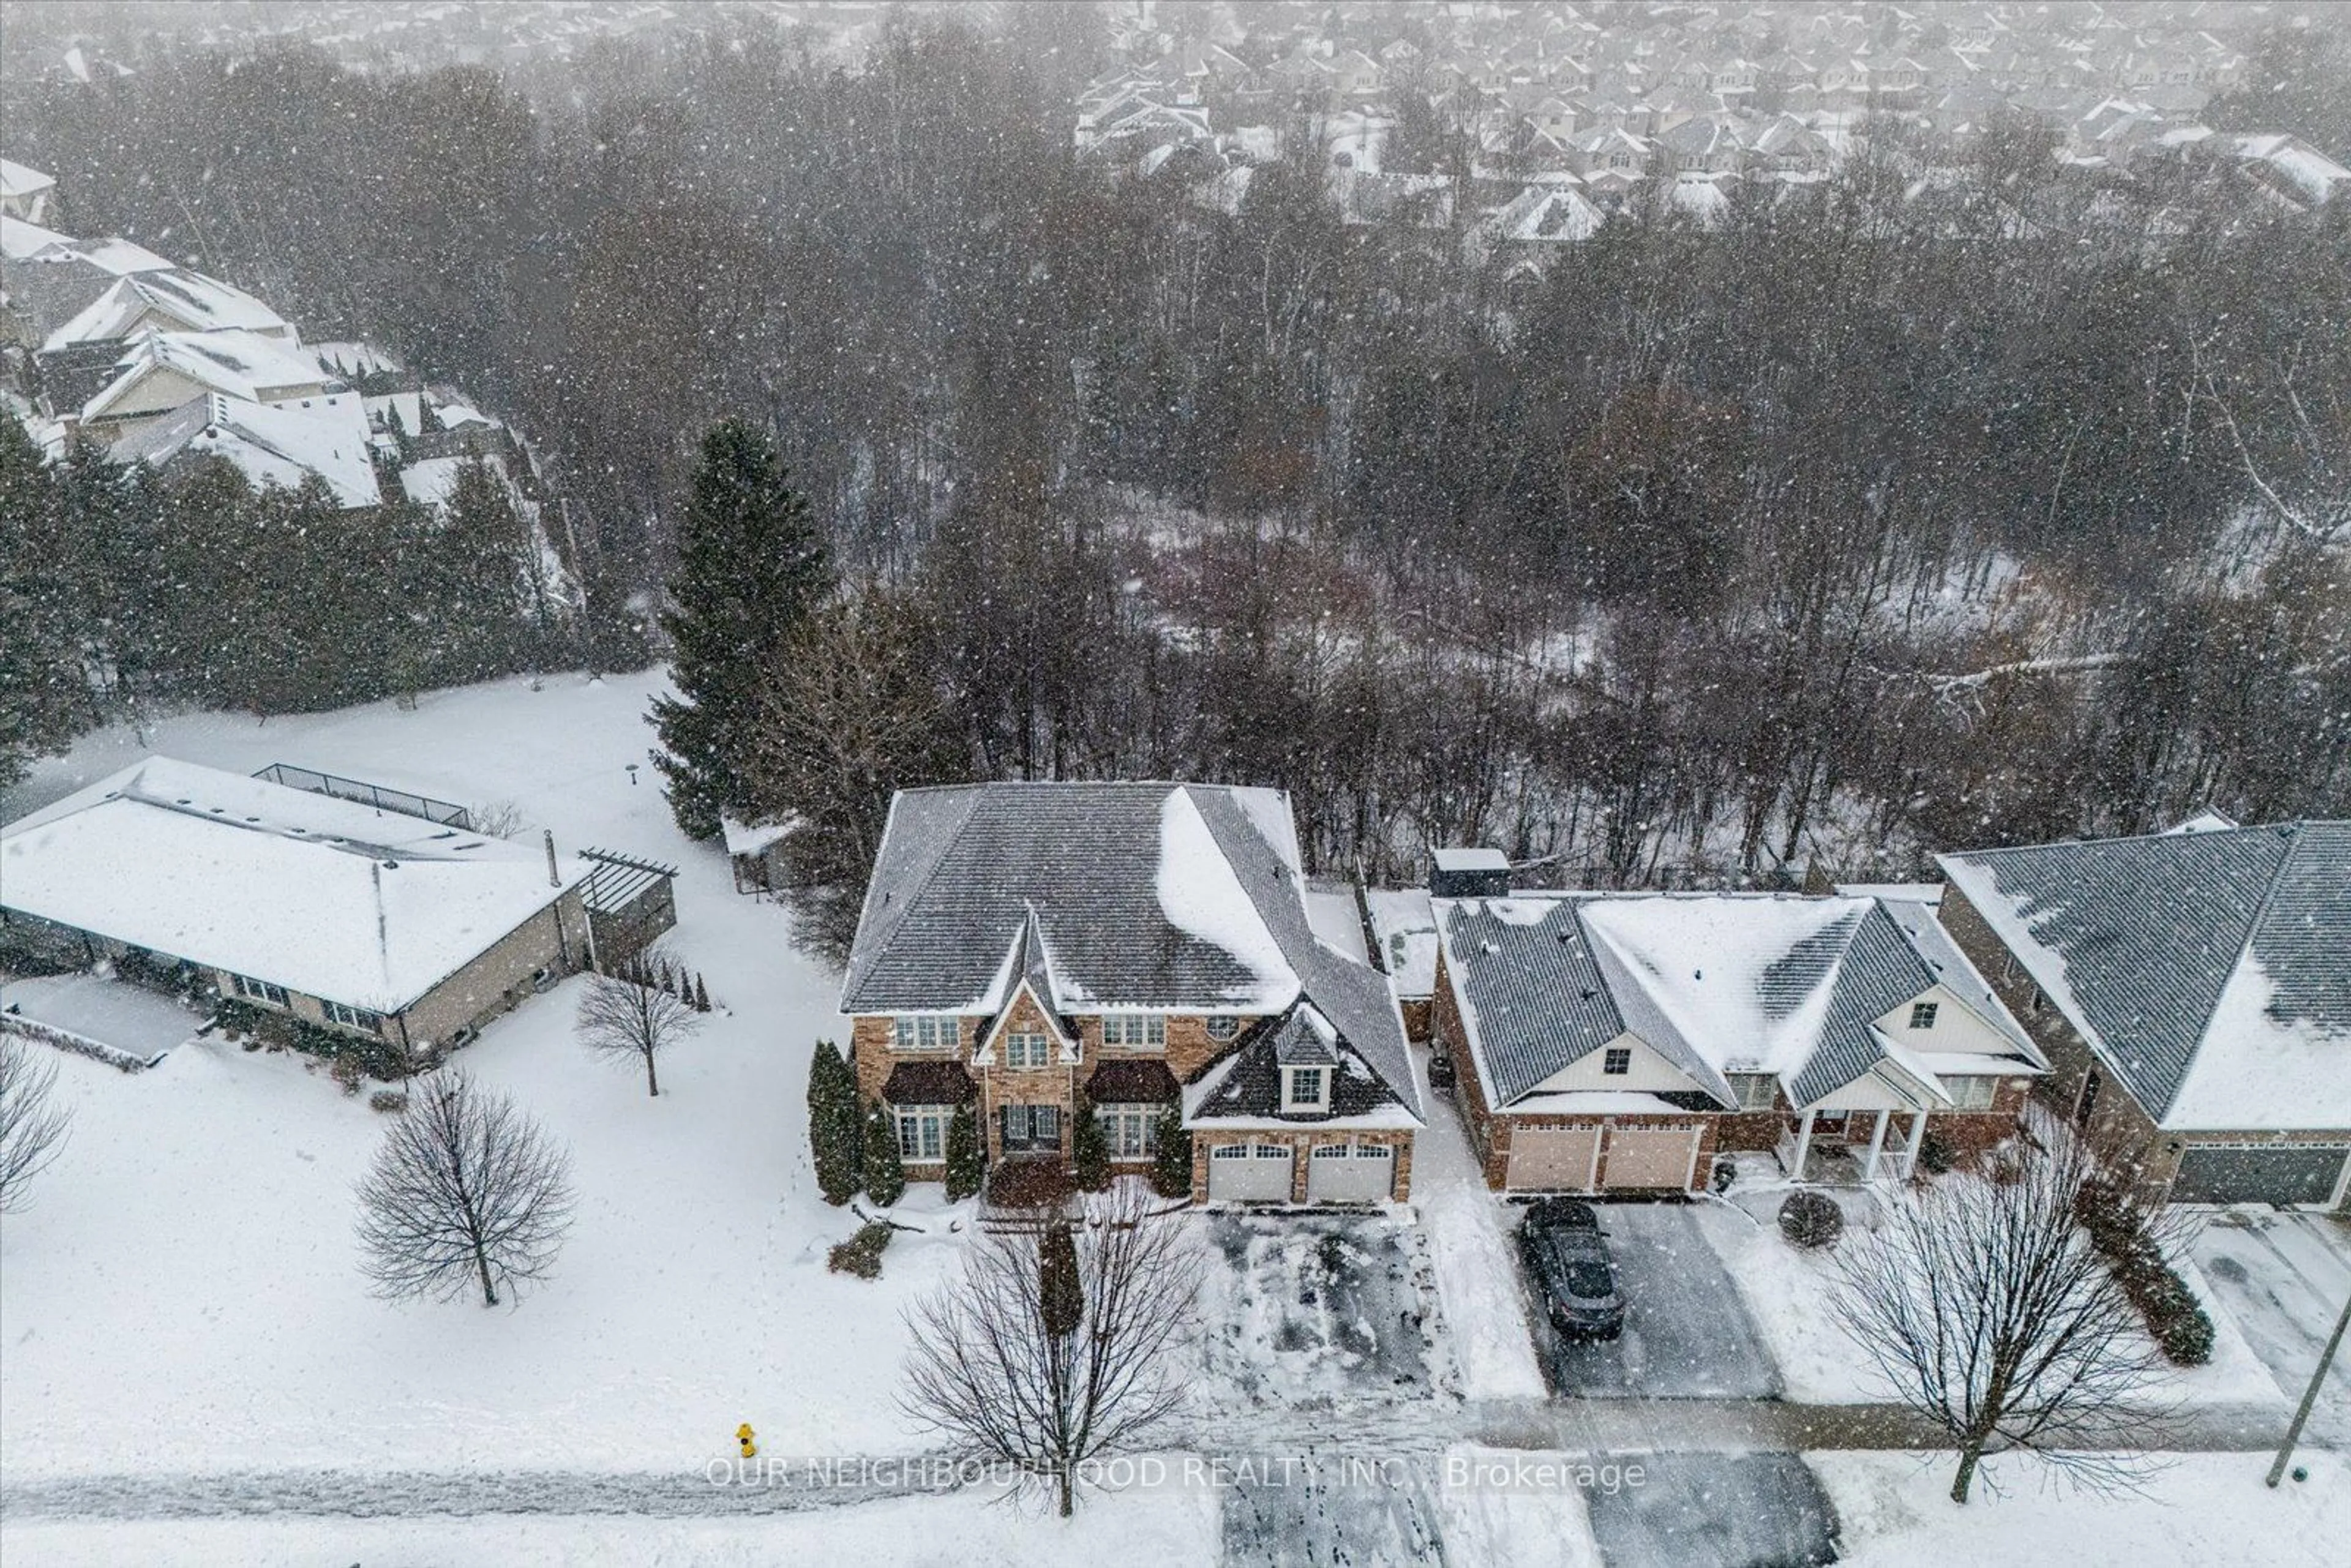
[
  {"x": 2192, "y": 990},
  {"x": 1608, "y": 1043},
  {"x": 1036, "y": 950}
]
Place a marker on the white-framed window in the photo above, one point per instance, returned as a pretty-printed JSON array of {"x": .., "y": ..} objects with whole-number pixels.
[
  {"x": 1224, "y": 1026},
  {"x": 1755, "y": 1091},
  {"x": 352, "y": 1018},
  {"x": 258, "y": 990},
  {"x": 927, "y": 1031},
  {"x": 1132, "y": 1132},
  {"x": 1305, "y": 1088},
  {"x": 1025, "y": 1049},
  {"x": 1134, "y": 1032},
  {"x": 1922, "y": 1014},
  {"x": 1616, "y": 1061},
  {"x": 1971, "y": 1093},
  {"x": 1031, "y": 1127},
  {"x": 923, "y": 1130}
]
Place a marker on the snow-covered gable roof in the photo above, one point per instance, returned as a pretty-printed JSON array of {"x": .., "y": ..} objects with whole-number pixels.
[
  {"x": 194, "y": 302},
  {"x": 326, "y": 435},
  {"x": 1153, "y": 895},
  {"x": 2211, "y": 971},
  {"x": 122, "y": 258},
  {"x": 21, "y": 241},
  {"x": 321, "y": 895},
  {"x": 240, "y": 364},
  {"x": 1716, "y": 984},
  {"x": 16, "y": 180}
]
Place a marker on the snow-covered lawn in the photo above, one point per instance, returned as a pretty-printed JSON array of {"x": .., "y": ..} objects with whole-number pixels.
[
  {"x": 2202, "y": 1511},
  {"x": 184, "y": 1293},
  {"x": 1788, "y": 1292},
  {"x": 1160, "y": 1525}
]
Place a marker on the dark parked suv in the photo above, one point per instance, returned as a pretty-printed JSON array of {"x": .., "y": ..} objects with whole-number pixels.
[{"x": 1567, "y": 1257}]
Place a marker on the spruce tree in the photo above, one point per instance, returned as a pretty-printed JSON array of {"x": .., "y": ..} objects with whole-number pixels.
[
  {"x": 1089, "y": 1150},
  {"x": 1061, "y": 1289},
  {"x": 42, "y": 688},
  {"x": 750, "y": 566},
  {"x": 701, "y": 994},
  {"x": 885, "y": 1172},
  {"x": 1171, "y": 1166},
  {"x": 966, "y": 1156},
  {"x": 835, "y": 1140}
]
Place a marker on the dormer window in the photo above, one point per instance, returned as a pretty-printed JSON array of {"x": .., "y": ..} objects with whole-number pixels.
[
  {"x": 1305, "y": 1088},
  {"x": 1922, "y": 1015},
  {"x": 1022, "y": 1050},
  {"x": 1224, "y": 1026}
]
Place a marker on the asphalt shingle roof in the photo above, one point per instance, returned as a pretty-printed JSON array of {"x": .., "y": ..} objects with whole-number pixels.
[
  {"x": 2135, "y": 939},
  {"x": 965, "y": 870}
]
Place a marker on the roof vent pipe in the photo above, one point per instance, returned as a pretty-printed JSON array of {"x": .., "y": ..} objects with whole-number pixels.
[{"x": 553, "y": 879}]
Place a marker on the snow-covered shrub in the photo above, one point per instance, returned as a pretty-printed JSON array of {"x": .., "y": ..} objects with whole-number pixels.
[
  {"x": 862, "y": 1254},
  {"x": 1810, "y": 1219},
  {"x": 2120, "y": 1227}
]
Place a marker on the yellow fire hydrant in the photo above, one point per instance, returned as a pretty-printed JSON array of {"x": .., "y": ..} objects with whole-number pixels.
[{"x": 746, "y": 1436}]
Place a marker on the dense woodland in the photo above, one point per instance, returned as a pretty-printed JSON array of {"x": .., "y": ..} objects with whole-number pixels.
[{"x": 1960, "y": 498}]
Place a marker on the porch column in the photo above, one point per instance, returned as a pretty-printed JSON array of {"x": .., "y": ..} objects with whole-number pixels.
[
  {"x": 1918, "y": 1136},
  {"x": 1876, "y": 1143},
  {"x": 1804, "y": 1146}
]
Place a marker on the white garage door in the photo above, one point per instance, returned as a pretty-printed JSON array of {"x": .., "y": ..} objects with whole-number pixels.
[
  {"x": 1648, "y": 1157},
  {"x": 2291, "y": 1174},
  {"x": 1351, "y": 1173},
  {"x": 1551, "y": 1159},
  {"x": 1249, "y": 1172}
]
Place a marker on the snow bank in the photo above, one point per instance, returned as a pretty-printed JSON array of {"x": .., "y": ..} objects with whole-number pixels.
[
  {"x": 1168, "y": 1525},
  {"x": 2203, "y": 1510}
]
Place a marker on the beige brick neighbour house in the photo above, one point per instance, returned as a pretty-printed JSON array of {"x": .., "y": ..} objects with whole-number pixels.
[
  {"x": 2192, "y": 990},
  {"x": 1618, "y": 1042},
  {"x": 1041, "y": 951},
  {"x": 370, "y": 923}
]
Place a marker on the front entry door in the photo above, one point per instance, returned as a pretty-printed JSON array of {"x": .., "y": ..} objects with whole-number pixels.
[{"x": 1030, "y": 1129}]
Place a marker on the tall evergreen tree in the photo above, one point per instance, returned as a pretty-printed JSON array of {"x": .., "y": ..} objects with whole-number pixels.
[
  {"x": 885, "y": 1169},
  {"x": 1171, "y": 1165},
  {"x": 966, "y": 1156},
  {"x": 1089, "y": 1150},
  {"x": 835, "y": 1140},
  {"x": 41, "y": 679},
  {"x": 1060, "y": 1288},
  {"x": 750, "y": 566}
]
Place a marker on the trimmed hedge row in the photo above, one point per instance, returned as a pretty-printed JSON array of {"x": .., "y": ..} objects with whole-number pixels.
[{"x": 2117, "y": 1229}]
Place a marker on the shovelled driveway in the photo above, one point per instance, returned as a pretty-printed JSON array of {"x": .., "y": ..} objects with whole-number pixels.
[{"x": 1686, "y": 1332}]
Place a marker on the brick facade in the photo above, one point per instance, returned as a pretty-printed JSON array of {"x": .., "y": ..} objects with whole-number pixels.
[{"x": 1751, "y": 1131}]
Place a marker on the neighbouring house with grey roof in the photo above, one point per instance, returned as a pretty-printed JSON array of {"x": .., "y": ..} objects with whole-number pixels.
[
  {"x": 1039, "y": 951},
  {"x": 2192, "y": 990},
  {"x": 1618, "y": 1042}
]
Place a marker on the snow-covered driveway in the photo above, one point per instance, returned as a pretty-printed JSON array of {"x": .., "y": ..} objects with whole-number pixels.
[
  {"x": 1686, "y": 1331},
  {"x": 2285, "y": 1276},
  {"x": 1320, "y": 1311}
]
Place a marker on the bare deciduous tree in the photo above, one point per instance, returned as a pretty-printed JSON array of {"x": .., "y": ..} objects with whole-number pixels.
[
  {"x": 627, "y": 1018},
  {"x": 1984, "y": 1305},
  {"x": 32, "y": 1129},
  {"x": 466, "y": 1190},
  {"x": 999, "y": 1370}
]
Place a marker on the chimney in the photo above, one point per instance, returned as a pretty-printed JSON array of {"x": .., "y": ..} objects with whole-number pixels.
[
  {"x": 1461, "y": 872},
  {"x": 553, "y": 878}
]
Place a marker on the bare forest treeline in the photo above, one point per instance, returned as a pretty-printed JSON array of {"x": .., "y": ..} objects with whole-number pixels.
[{"x": 1959, "y": 498}]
